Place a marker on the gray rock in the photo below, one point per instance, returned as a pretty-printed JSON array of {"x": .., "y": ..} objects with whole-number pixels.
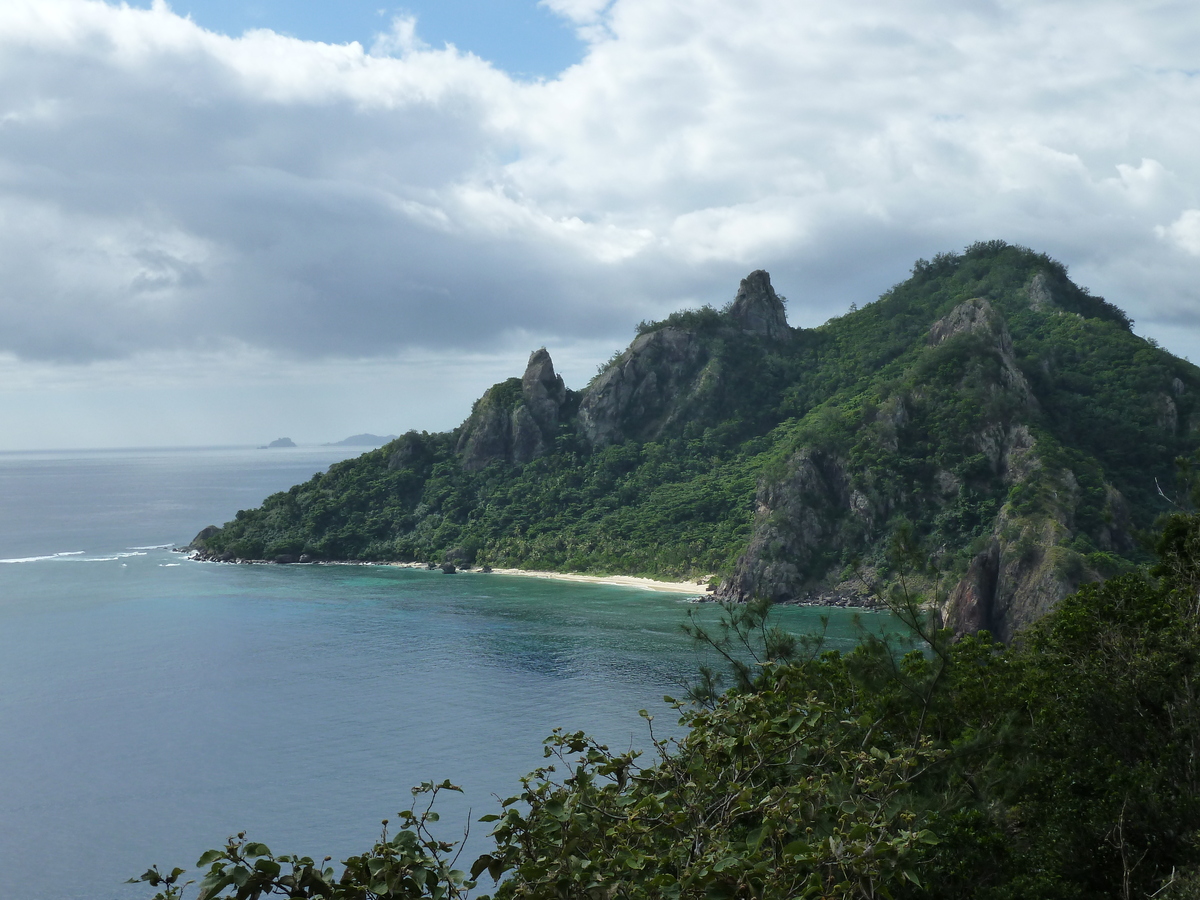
[
  {"x": 757, "y": 309},
  {"x": 632, "y": 398},
  {"x": 977, "y": 316},
  {"x": 515, "y": 429},
  {"x": 486, "y": 436},
  {"x": 543, "y": 390},
  {"x": 1041, "y": 298},
  {"x": 528, "y": 442}
]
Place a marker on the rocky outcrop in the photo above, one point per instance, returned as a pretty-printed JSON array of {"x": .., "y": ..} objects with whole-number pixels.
[
  {"x": 667, "y": 377},
  {"x": 977, "y": 317},
  {"x": 514, "y": 421},
  {"x": 797, "y": 519},
  {"x": 1028, "y": 565},
  {"x": 757, "y": 309},
  {"x": 543, "y": 390},
  {"x": 634, "y": 397},
  {"x": 1038, "y": 291}
]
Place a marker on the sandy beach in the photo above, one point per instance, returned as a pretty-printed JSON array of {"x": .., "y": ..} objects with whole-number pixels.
[
  {"x": 650, "y": 584},
  {"x": 694, "y": 588}
]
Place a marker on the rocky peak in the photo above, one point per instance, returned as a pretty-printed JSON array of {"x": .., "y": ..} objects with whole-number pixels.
[
  {"x": 757, "y": 309},
  {"x": 514, "y": 421},
  {"x": 543, "y": 389}
]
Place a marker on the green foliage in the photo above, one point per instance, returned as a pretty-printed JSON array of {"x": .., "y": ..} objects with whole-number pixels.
[{"x": 411, "y": 864}]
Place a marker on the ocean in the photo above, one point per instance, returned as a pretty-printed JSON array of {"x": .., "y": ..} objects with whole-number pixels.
[{"x": 150, "y": 706}]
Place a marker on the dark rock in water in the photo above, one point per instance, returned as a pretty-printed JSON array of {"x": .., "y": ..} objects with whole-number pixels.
[
  {"x": 198, "y": 542},
  {"x": 758, "y": 309},
  {"x": 487, "y": 570},
  {"x": 448, "y": 569},
  {"x": 431, "y": 566},
  {"x": 305, "y": 558},
  {"x": 279, "y": 442},
  {"x": 227, "y": 556}
]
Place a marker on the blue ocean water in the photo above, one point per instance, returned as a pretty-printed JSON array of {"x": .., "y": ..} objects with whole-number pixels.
[{"x": 150, "y": 706}]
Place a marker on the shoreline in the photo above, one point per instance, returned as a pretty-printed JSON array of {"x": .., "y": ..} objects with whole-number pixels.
[
  {"x": 698, "y": 588},
  {"x": 695, "y": 588}
]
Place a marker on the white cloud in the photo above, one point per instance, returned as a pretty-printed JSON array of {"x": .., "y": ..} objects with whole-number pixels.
[
  {"x": 164, "y": 189},
  {"x": 1184, "y": 232}
]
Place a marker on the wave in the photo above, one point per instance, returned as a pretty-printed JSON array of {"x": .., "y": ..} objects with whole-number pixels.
[
  {"x": 25, "y": 559},
  {"x": 152, "y": 547},
  {"x": 115, "y": 556},
  {"x": 74, "y": 556}
]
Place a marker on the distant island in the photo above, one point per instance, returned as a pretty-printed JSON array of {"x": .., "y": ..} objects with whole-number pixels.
[
  {"x": 279, "y": 442},
  {"x": 364, "y": 440},
  {"x": 987, "y": 409}
]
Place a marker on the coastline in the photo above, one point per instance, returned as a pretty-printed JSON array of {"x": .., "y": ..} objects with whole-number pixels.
[
  {"x": 698, "y": 588},
  {"x": 694, "y": 588}
]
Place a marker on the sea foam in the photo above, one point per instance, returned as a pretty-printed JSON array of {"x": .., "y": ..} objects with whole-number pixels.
[{"x": 26, "y": 559}]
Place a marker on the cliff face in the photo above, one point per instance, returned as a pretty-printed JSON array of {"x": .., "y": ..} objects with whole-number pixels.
[
  {"x": 635, "y": 396},
  {"x": 1006, "y": 419}
]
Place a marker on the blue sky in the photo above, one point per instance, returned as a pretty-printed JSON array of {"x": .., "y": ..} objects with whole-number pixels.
[{"x": 520, "y": 36}]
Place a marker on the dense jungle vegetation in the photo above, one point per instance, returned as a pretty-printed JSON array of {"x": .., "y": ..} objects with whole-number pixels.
[
  {"x": 1061, "y": 767},
  {"x": 917, "y": 431}
]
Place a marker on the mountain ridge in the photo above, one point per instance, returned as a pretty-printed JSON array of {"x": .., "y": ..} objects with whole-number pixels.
[{"x": 1008, "y": 419}]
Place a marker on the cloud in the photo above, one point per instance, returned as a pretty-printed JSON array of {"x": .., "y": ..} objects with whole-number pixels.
[
  {"x": 1184, "y": 232},
  {"x": 164, "y": 189}
]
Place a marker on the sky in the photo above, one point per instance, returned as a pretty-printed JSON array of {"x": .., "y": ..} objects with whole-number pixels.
[{"x": 222, "y": 223}]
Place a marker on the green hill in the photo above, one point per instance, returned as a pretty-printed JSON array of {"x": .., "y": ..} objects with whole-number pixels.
[{"x": 1006, "y": 417}]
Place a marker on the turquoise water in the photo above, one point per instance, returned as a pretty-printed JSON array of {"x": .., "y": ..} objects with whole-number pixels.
[{"x": 150, "y": 706}]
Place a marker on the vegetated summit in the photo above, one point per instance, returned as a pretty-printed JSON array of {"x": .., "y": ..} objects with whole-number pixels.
[{"x": 1006, "y": 417}]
